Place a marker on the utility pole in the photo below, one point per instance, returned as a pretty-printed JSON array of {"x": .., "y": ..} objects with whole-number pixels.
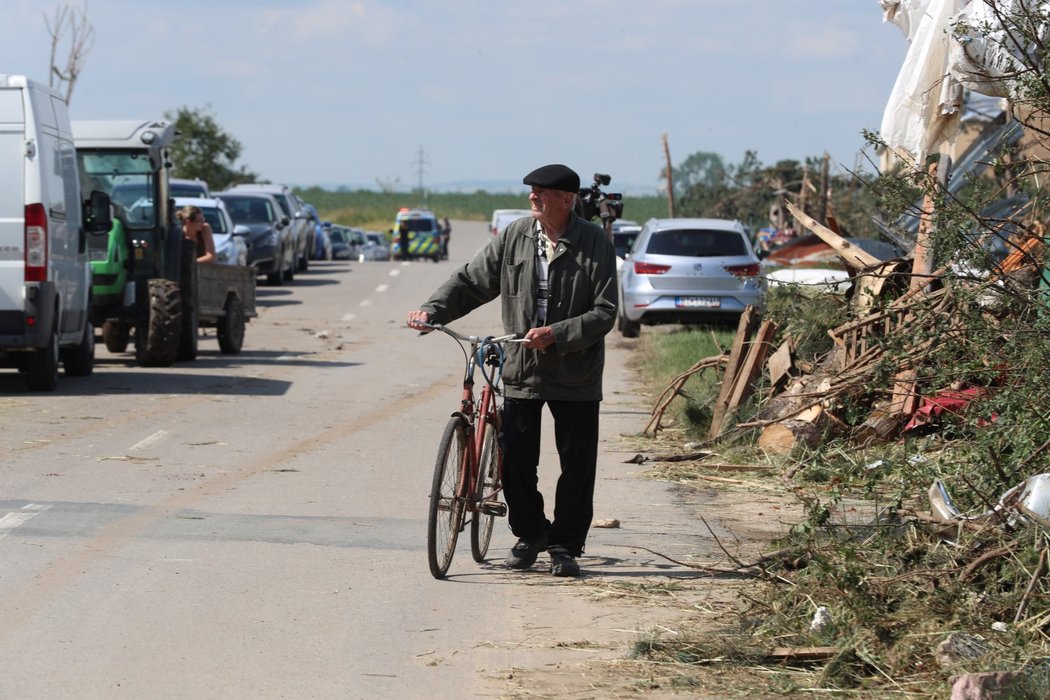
[
  {"x": 670, "y": 184},
  {"x": 421, "y": 166}
]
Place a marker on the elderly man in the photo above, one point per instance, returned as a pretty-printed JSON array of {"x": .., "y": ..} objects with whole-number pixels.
[{"x": 556, "y": 276}]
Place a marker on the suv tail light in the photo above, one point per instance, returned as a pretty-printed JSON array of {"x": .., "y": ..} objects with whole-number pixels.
[
  {"x": 644, "y": 268},
  {"x": 36, "y": 243},
  {"x": 749, "y": 270}
]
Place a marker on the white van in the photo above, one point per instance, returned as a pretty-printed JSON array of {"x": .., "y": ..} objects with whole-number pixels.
[{"x": 45, "y": 280}]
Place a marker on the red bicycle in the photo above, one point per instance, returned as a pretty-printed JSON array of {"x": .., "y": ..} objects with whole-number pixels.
[{"x": 467, "y": 478}]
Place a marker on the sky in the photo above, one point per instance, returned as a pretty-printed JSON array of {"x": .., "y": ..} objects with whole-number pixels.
[{"x": 476, "y": 93}]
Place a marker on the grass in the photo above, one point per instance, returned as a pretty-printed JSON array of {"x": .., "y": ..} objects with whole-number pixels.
[
  {"x": 668, "y": 351},
  {"x": 375, "y": 210}
]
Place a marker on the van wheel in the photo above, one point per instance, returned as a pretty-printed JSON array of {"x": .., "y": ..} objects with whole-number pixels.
[
  {"x": 230, "y": 327},
  {"x": 116, "y": 336},
  {"x": 79, "y": 360},
  {"x": 42, "y": 366}
]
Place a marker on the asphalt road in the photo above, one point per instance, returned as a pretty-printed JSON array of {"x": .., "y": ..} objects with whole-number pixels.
[{"x": 254, "y": 525}]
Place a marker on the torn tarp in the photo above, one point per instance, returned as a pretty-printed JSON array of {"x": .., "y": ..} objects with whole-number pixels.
[
  {"x": 924, "y": 106},
  {"x": 956, "y": 45}
]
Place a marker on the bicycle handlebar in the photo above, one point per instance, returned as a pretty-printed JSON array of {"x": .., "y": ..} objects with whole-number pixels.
[
  {"x": 510, "y": 338},
  {"x": 480, "y": 346}
]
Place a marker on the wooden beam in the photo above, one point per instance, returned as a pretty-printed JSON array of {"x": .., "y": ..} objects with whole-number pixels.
[
  {"x": 922, "y": 256},
  {"x": 851, "y": 254},
  {"x": 744, "y": 329},
  {"x": 757, "y": 352}
]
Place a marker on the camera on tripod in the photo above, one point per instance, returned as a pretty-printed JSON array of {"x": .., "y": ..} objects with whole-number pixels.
[{"x": 593, "y": 202}]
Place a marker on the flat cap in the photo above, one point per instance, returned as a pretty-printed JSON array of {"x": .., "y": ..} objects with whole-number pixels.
[{"x": 554, "y": 177}]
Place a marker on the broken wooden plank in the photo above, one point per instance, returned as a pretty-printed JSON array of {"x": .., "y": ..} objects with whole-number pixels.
[
  {"x": 780, "y": 363},
  {"x": 803, "y": 653},
  {"x": 746, "y": 326},
  {"x": 757, "y": 350},
  {"x": 851, "y": 254}
]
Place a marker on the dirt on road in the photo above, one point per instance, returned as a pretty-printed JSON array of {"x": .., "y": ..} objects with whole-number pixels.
[{"x": 644, "y": 577}]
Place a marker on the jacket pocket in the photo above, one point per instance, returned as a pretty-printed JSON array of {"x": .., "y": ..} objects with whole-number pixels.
[
  {"x": 514, "y": 278},
  {"x": 582, "y": 368}
]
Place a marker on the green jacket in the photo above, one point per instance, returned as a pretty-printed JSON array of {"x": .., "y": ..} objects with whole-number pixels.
[{"x": 581, "y": 307}]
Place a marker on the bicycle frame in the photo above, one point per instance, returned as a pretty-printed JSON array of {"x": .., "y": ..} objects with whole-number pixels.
[
  {"x": 481, "y": 415},
  {"x": 466, "y": 486}
]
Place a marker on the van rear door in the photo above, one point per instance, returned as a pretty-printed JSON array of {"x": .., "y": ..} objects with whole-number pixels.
[{"x": 12, "y": 209}]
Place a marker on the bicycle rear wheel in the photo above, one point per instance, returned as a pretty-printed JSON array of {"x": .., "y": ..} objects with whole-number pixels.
[
  {"x": 488, "y": 476},
  {"x": 447, "y": 508}
]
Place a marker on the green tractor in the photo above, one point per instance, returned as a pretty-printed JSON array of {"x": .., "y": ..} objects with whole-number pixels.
[{"x": 144, "y": 274}]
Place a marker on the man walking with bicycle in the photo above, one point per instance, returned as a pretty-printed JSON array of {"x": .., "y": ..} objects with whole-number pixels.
[{"x": 556, "y": 277}]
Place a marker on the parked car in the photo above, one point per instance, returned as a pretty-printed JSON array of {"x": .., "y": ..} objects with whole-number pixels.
[
  {"x": 181, "y": 187},
  {"x": 624, "y": 232},
  {"x": 688, "y": 271},
  {"x": 231, "y": 248},
  {"x": 322, "y": 249},
  {"x": 502, "y": 217},
  {"x": 291, "y": 206},
  {"x": 375, "y": 248},
  {"x": 346, "y": 242},
  {"x": 271, "y": 249}
]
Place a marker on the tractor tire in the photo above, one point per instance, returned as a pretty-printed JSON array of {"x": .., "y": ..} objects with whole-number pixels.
[
  {"x": 116, "y": 336},
  {"x": 230, "y": 327},
  {"x": 79, "y": 360},
  {"x": 188, "y": 285},
  {"x": 157, "y": 340},
  {"x": 189, "y": 334}
]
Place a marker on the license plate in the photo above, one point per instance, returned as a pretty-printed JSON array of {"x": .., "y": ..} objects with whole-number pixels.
[{"x": 698, "y": 302}]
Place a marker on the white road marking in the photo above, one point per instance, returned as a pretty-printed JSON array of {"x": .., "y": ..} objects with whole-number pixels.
[
  {"x": 12, "y": 520},
  {"x": 366, "y": 302},
  {"x": 395, "y": 272},
  {"x": 154, "y": 438},
  {"x": 348, "y": 317},
  {"x": 382, "y": 288}
]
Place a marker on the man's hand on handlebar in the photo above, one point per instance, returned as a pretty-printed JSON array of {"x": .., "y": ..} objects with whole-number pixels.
[
  {"x": 539, "y": 338},
  {"x": 419, "y": 320}
]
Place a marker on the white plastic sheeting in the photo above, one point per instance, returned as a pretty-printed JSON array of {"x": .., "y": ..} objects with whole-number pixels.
[
  {"x": 924, "y": 105},
  {"x": 984, "y": 53},
  {"x": 956, "y": 45}
]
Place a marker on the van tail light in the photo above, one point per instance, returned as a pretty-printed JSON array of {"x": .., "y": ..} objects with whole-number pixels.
[
  {"x": 644, "y": 268},
  {"x": 749, "y": 270},
  {"x": 36, "y": 243}
]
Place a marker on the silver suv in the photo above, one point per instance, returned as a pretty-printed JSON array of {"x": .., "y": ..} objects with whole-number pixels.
[
  {"x": 303, "y": 229},
  {"x": 688, "y": 271}
]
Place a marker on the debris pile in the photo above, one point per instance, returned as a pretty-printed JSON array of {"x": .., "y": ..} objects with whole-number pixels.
[{"x": 900, "y": 323}]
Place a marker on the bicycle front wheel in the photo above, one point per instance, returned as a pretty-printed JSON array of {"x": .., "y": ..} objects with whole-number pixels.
[
  {"x": 447, "y": 508},
  {"x": 485, "y": 495}
]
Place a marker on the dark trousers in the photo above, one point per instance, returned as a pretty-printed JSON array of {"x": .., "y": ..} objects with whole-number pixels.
[{"x": 576, "y": 436}]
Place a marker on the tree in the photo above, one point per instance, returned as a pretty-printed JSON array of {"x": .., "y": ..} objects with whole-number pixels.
[
  {"x": 81, "y": 41},
  {"x": 205, "y": 151}
]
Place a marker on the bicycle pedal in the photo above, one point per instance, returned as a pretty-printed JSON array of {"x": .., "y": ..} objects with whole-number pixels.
[{"x": 493, "y": 508}]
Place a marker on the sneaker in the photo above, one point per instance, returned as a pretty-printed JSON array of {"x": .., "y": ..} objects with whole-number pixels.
[
  {"x": 523, "y": 554},
  {"x": 563, "y": 563}
]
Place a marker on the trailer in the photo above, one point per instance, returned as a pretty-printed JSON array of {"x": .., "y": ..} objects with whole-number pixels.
[{"x": 226, "y": 301}]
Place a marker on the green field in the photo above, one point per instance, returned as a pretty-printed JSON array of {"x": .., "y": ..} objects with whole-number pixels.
[{"x": 375, "y": 210}]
